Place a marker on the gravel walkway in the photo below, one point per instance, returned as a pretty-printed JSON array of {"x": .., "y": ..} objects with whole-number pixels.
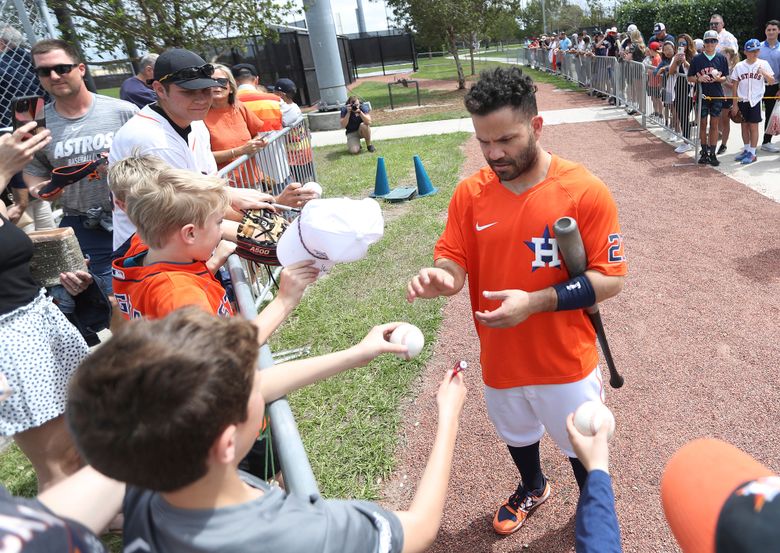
[{"x": 694, "y": 333}]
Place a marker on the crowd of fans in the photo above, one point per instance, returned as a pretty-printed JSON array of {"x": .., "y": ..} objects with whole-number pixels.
[
  {"x": 732, "y": 81},
  {"x": 171, "y": 405}
]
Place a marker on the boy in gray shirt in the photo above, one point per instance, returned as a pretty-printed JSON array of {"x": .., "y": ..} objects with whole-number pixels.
[{"x": 171, "y": 406}]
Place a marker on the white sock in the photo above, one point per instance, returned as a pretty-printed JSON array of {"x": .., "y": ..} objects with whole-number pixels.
[
  {"x": 746, "y": 148},
  {"x": 752, "y": 150}
]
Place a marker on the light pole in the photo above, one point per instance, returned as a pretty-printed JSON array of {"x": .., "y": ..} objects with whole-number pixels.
[{"x": 544, "y": 19}]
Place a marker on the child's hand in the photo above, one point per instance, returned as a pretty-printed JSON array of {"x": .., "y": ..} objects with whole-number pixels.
[
  {"x": 294, "y": 195},
  {"x": 294, "y": 280},
  {"x": 451, "y": 397},
  {"x": 591, "y": 450},
  {"x": 377, "y": 342},
  {"x": 248, "y": 198},
  {"x": 220, "y": 255}
]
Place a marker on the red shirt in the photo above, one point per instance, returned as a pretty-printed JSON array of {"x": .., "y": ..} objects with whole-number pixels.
[{"x": 505, "y": 241}]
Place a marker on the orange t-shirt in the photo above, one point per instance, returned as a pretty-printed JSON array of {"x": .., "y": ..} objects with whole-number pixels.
[
  {"x": 153, "y": 291},
  {"x": 505, "y": 241},
  {"x": 265, "y": 106}
]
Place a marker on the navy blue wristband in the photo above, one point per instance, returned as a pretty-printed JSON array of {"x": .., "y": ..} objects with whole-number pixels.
[{"x": 576, "y": 293}]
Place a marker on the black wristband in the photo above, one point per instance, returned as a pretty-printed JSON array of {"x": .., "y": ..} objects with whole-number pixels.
[{"x": 576, "y": 293}]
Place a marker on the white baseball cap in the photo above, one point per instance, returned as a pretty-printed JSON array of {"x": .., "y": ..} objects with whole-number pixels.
[
  {"x": 632, "y": 28},
  {"x": 330, "y": 231},
  {"x": 710, "y": 34}
]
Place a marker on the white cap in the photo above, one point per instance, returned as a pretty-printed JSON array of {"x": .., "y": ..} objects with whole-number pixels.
[
  {"x": 710, "y": 34},
  {"x": 330, "y": 231},
  {"x": 612, "y": 30},
  {"x": 632, "y": 28},
  {"x": 699, "y": 43}
]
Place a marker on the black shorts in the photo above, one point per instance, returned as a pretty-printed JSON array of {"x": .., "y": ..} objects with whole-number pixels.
[
  {"x": 750, "y": 114},
  {"x": 711, "y": 108}
]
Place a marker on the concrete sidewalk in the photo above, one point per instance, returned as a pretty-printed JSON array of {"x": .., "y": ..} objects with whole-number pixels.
[{"x": 386, "y": 132}]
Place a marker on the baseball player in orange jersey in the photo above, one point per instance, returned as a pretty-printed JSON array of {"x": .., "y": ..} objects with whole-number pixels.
[{"x": 538, "y": 348}]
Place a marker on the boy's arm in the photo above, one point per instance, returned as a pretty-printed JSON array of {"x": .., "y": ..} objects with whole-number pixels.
[
  {"x": 279, "y": 380},
  {"x": 597, "y": 528},
  {"x": 86, "y": 497},
  {"x": 292, "y": 283},
  {"x": 422, "y": 520}
]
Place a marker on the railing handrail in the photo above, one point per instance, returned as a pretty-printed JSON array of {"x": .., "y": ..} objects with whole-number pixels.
[
  {"x": 269, "y": 137},
  {"x": 298, "y": 475}
]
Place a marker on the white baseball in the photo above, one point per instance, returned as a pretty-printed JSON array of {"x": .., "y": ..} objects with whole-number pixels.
[
  {"x": 589, "y": 417},
  {"x": 314, "y": 187},
  {"x": 411, "y": 337}
]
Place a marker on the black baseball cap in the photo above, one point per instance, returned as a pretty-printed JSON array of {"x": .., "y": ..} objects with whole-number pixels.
[
  {"x": 286, "y": 86},
  {"x": 244, "y": 70},
  {"x": 171, "y": 63}
]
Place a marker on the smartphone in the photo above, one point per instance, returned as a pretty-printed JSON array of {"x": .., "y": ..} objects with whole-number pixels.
[
  {"x": 681, "y": 50},
  {"x": 26, "y": 109}
]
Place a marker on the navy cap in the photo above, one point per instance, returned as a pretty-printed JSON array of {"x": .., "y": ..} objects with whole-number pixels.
[
  {"x": 244, "y": 70},
  {"x": 176, "y": 59},
  {"x": 286, "y": 86}
]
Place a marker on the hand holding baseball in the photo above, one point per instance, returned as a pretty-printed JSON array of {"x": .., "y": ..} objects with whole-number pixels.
[
  {"x": 592, "y": 451},
  {"x": 410, "y": 336},
  {"x": 377, "y": 342},
  {"x": 430, "y": 283}
]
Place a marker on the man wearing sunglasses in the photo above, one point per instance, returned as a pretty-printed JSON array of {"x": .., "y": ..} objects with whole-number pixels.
[
  {"x": 725, "y": 38},
  {"x": 82, "y": 126}
]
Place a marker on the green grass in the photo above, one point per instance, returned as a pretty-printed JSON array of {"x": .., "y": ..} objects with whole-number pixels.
[
  {"x": 379, "y": 97},
  {"x": 16, "y": 473},
  {"x": 113, "y": 92},
  {"x": 350, "y": 423}
]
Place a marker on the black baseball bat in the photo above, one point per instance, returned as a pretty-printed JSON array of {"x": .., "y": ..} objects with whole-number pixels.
[{"x": 569, "y": 240}]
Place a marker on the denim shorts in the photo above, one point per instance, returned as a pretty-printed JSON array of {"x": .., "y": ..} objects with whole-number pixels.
[{"x": 711, "y": 108}]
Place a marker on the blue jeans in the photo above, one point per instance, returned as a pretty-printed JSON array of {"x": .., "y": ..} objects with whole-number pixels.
[{"x": 67, "y": 303}]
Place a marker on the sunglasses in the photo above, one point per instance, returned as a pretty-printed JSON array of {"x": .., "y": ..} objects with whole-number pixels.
[
  {"x": 222, "y": 82},
  {"x": 711, "y": 41},
  {"x": 190, "y": 73},
  {"x": 682, "y": 43},
  {"x": 60, "y": 69},
  {"x": 715, "y": 24}
]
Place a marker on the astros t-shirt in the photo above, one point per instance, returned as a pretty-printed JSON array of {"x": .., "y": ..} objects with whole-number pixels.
[{"x": 505, "y": 241}]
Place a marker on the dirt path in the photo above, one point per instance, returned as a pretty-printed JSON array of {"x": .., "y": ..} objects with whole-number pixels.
[{"x": 694, "y": 332}]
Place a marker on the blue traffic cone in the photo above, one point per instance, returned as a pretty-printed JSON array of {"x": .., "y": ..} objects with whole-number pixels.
[
  {"x": 424, "y": 186},
  {"x": 381, "y": 186}
]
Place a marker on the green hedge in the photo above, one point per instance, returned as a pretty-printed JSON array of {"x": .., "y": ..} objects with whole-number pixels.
[{"x": 690, "y": 16}]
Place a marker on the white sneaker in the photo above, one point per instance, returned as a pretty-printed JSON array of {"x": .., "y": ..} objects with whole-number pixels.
[
  {"x": 682, "y": 148},
  {"x": 771, "y": 148}
]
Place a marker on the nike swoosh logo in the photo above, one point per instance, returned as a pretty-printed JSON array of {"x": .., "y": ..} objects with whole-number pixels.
[{"x": 483, "y": 227}]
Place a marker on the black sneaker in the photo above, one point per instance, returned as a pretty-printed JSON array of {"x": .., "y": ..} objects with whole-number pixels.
[
  {"x": 371, "y": 148},
  {"x": 713, "y": 160},
  {"x": 722, "y": 149},
  {"x": 704, "y": 158}
]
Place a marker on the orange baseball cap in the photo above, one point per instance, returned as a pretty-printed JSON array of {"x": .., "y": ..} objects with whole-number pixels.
[{"x": 719, "y": 499}]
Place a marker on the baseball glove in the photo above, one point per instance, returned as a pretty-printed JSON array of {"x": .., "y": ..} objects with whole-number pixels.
[
  {"x": 736, "y": 117},
  {"x": 258, "y": 234}
]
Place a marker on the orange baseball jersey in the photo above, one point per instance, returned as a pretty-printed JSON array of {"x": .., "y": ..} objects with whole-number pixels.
[
  {"x": 505, "y": 241},
  {"x": 153, "y": 291},
  {"x": 264, "y": 105}
]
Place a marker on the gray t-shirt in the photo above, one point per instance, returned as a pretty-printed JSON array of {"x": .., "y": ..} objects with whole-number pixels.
[
  {"x": 78, "y": 140},
  {"x": 273, "y": 523}
]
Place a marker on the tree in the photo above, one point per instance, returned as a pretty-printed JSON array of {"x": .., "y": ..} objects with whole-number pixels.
[{"x": 159, "y": 24}]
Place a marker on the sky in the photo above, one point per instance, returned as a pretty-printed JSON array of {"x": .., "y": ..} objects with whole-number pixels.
[{"x": 345, "y": 19}]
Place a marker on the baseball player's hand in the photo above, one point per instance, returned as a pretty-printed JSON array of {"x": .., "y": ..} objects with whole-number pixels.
[
  {"x": 294, "y": 280},
  {"x": 451, "y": 397},
  {"x": 294, "y": 195},
  {"x": 76, "y": 282},
  {"x": 17, "y": 149},
  {"x": 377, "y": 342},
  {"x": 514, "y": 309},
  {"x": 247, "y": 198},
  {"x": 430, "y": 283},
  {"x": 591, "y": 450}
]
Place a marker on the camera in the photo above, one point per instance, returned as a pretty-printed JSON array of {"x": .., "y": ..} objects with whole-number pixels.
[{"x": 355, "y": 107}]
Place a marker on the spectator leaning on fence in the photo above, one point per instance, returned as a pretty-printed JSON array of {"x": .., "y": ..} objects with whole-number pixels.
[
  {"x": 725, "y": 38},
  {"x": 356, "y": 120},
  {"x": 660, "y": 34},
  {"x": 136, "y": 89},
  {"x": 709, "y": 69},
  {"x": 181, "y": 469},
  {"x": 651, "y": 62},
  {"x": 83, "y": 127},
  {"x": 683, "y": 96},
  {"x": 751, "y": 76},
  {"x": 770, "y": 52}
]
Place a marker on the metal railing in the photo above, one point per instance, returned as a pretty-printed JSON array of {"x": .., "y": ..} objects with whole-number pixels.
[
  {"x": 670, "y": 102},
  {"x": 298, "y": 475},
  {"x": 287, "y": 157}
]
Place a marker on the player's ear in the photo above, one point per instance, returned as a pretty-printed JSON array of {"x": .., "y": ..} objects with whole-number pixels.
[{"x": 536, "y": 124}]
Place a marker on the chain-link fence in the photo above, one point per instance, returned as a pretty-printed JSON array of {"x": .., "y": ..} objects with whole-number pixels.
[{"x": 22, "y": 24}]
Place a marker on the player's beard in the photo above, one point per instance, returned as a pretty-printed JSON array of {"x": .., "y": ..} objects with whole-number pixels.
[{"x": 513, "y": 167}]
